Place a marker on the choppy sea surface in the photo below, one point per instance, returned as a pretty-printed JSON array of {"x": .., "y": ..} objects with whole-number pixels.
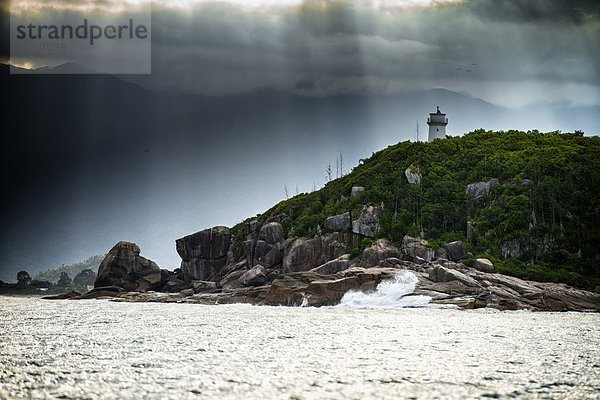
[{"x": 98, "y": 349}]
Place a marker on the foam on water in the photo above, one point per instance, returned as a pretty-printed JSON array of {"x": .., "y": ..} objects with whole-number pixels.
[{"x": 390, "y": 293}]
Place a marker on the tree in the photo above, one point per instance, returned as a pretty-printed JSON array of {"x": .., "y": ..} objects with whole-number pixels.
[
  {"x": 64, "y": 280},
  {"x": 286, "y": 192},
  {"x": 328, "y": 173},
  {"x": 84, "y": 278},
  {"x": 23, "y": 278}
]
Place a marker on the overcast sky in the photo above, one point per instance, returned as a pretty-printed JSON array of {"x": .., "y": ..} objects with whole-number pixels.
[
  {"x": 509, "y": 52},
  {"x": 276, "y": 89}
]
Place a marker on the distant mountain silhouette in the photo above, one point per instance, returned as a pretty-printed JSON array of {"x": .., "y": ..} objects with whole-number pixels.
[{"x": 120, "y": 136}]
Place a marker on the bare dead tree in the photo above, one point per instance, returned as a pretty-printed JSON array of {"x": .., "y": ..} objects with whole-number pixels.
[
  {"x": 286, "y": 192},
  {"x": 328, "y": 173}
]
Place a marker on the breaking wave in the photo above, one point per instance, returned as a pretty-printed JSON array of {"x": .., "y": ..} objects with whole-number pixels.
[{"x": 390, "y": 293}]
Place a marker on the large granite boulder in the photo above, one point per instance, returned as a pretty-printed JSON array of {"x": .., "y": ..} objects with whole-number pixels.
[
  {"x": 204, "y": 253},
  {"x": 271, "y": 233},
  {"x": 174, "y": 285},
  {"x": 443, "y": 274},
  {"x": 209, "y": 244},
  {"x": 251, "y": 229},
  {"x": 480, "y": 189},
  {"x": 267, "y": 254},
  {"x": 367, "y": 223},
  {"x": 124, "y": 267},
  {"x": 334, "y": 266},
  {"x": 256, "y": 276},
  {"x": 232, "y": 280},
  {"x": 417, "y": 248},
  {"x": 304, "y": 254},
  {"x": 455, "y": 251},
  {"x": 338, "y": 223},
  {"x": 379, "y": 251},
  {"x": 483, "y": 265}
]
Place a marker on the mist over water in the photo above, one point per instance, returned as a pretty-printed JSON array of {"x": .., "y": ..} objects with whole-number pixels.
[{"x": 389, "y": 293}]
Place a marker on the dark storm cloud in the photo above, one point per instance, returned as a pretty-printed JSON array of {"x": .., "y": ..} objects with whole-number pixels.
[
  {"x": 535, "y": 50},
  {"x": 574, "y": 11}
]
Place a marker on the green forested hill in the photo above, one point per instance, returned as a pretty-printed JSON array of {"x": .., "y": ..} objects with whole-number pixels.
[
  {"x": 53, "y": 274},
  {"x": 542, "y": 221}
]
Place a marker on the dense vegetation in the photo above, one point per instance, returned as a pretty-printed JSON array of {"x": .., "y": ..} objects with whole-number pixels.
[
  {"x": 548, "y": 200},
  {"x": 54, "y": 274}
]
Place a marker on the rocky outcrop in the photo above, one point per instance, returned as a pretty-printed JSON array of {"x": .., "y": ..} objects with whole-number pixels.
[
  {"x": 413, "y": 175},
  {"x": 334, "y": 266},
  {"x": 304, "y": 255},
  {"x": 480, "y": 189},
  {"x": 415, "y": 247},
  {"x": 318, "y": 290},
  {"x": 256, "y": 276},
  {"x": 379, "y": 251},
  {"x": 204, "y": 253},
  {"x": 125, "y": 268},
  {"x": 318, "y": 272},
  {"x": 367, "y": 223},
  {"x": 483, "y": 265},
  {"x": 271, "y": 233},
  {"x": 267, "y": 254},
  {"x": 439, "y": 273},
  {"x": 174, "y": 285},
  {"x": 338, "y": 223},
  {"x": 203, "y": 286},
  {"x": 455, "y": 251},
  {"x": 264, "y": 246}
]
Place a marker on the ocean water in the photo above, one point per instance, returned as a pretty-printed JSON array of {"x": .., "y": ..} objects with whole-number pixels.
[{"x": 382, "y": 346}]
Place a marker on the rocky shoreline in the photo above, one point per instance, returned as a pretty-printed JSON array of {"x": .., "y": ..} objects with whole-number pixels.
[{"x": 268, "y": 269}]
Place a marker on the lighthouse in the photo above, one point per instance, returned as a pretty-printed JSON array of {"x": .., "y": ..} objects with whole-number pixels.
[{"x": 437, "y": 122}]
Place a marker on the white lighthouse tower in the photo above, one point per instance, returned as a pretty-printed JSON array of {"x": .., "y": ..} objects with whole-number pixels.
[{"x": 437, "y": 125}]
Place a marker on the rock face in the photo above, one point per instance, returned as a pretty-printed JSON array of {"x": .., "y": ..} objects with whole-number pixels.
[
  {"x": 204, "y": 253},
  {"x": 413, "y": 175},
  {"x": 124, "y": 267},
  {"x": 338, "y": 223},
  {"x": 480, "y": 189},
  {"x": 379, "y": 251},
  {"x": 334, "y": 266},
  {"x": 415, "y": 247},
  {"x": 265, "y": 246},
  {"x": 367, "y": 223},
  {"x": 455, "y": 251},
  {"x": 319, "y": 290},
  {"x": 442, "y": 274},
  {"x": 305, "y": 254},
  {"x": 257, "y": 276},
  {"x": 357, "y": 191},
  {"x": 271, "y": 233},
  {"x": 483, "y": 265}
]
